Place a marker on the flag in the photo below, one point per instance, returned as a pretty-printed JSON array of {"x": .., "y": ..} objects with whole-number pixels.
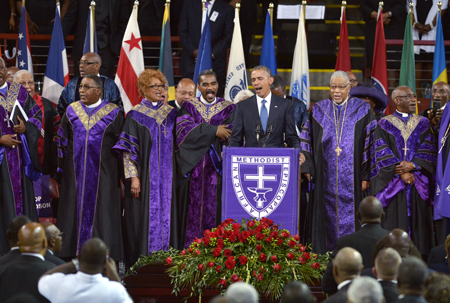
[
  {"x": 407, "y": 65},
  {"x": 90, "y": 40},
  {"x": 57, "y": 69},
  {"x": 165, "y": 54},
  {"x": 236, "y": 73},
  {"x": 131, "y": 63},
  {"x": 379, "y": 66},
  {"x": 268, "y": 57},
  {"x": 204, "y": 55},
  {"x": 24, "y": 50},
  {"x": 343, "y": 61},
  {"x": 439, "y": 64},
  {"x": 300, "y": 87}
]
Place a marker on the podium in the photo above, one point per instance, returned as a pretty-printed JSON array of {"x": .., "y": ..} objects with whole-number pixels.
[{"x": 261, "y": 182}]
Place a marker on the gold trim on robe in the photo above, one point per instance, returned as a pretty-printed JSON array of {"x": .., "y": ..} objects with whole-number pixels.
[{"x": 87, "y": 121}]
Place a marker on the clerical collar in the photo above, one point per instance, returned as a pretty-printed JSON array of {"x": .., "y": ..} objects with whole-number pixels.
[
  {"x": 50, "y": 252},
  {"x": 343, "y": 103},
  {"x": 392, "y": 281},
  {"x": 342, "y": 284},
  {"x": 443, "y": 107},
  {"x": 206, "y": 102},
  {"x": 34, "y": 255},
  {"x": 4, "y": 85},
  {"x": 95, "y": 104},
  {"x": 155, "y": 104},
  {"x": 15, "y": 247},
  {"x": 402, "y": 114}
]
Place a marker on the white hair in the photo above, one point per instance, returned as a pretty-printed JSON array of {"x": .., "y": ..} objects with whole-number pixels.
[
  {"x": 365, "y": 290},
  {"x": 243, "y": 94},
  {"x": 340, "y": 74},
  {"x": 21, "y": 72},
  {"x": 242, "y": 292}
]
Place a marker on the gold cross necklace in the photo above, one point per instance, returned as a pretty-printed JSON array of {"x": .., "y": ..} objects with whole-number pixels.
[{"x": 339, "y": 127}]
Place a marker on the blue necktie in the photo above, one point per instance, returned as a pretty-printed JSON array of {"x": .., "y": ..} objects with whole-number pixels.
[{"x": 264, "y": 116}]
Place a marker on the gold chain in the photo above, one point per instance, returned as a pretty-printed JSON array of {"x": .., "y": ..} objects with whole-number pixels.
[{"x": 340, "y": 127}]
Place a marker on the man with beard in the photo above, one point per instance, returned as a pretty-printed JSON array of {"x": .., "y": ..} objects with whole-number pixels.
[
  {"x": 19, "y": 161},
  {"x": 90, "y": 187},
  {"x": 203, "y": 127},
  {"x": 404, "y": 160}
]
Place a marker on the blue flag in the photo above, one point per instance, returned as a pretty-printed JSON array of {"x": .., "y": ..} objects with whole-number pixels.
[
  {"x": 268, "y": 57},
  {"x": 24, "y": 49},
  {"x": 439, "y": 63},
  {"x": 90, "y": 40},
  {"x": 204, "y": 55}
]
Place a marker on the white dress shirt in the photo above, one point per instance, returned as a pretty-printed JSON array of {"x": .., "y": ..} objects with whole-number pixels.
[
  {"x": 343, "y": 284},
  {"x": 206, "y": 102},
  {"x": 259, "y": 102}
]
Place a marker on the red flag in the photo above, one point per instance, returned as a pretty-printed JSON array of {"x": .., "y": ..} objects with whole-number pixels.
[
  {"x": 379, "y": 66},
  {"x": 343, "y": 59}
]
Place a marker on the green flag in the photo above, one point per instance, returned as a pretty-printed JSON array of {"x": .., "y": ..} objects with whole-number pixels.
[{"x": 407, "y": 67}]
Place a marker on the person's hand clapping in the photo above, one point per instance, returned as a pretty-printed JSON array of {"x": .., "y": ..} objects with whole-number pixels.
[{"x": 223, "y": 132}]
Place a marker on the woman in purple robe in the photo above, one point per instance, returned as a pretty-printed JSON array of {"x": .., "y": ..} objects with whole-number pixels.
[{"x": 146, "y": 147}]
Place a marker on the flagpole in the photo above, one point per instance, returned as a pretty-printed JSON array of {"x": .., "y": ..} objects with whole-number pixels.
[
  {"x": 168, "y": 9},
  {"x": 411, "y": 5},
  {"x": 135, "y": 6},
  {"x": 439, "y": 6},
  {"x": 204, "y": 15},
  {"x": 271, "y": 13},
  {"x": 92, "y": 8},
  {"x": 344, "y": 5},
  {"x": 23, "y": 3},
  {"x": 304, "y": 10}
]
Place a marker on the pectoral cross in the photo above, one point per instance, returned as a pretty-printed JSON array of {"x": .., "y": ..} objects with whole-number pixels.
[
  {"x": 405, "y": 149},
  {"x": 7, "y": 120},
  {"x": 338, "y": 150},
  {"x": 164, "y": 131}
]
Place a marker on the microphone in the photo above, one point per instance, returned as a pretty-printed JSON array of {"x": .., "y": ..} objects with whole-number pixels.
[
  {"x": 258, "y": 130},
  {"x": 268, "y": 132}
]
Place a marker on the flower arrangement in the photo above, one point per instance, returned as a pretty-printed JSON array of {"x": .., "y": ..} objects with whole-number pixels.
[{"x": 256, "y": 252}]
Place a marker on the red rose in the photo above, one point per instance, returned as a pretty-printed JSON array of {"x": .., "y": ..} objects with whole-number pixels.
[
  {"x": 268, "y": 221},
  {"x": 259, "y": 247},
  {"x": 206, "y": 232},
  {"x": 260, "y": 236},
  {"x": 302, "y": 260},
  {"x": 169, "y": 260},
  {"x": 227, "y": 252},
  {"x": 218, "y": 268},
  {"x": 190, "y": 250},
  {"x": 264, "y": 225},
  {"x": 259, "y": 229},
  {"x": 269, "y": 239},
  {"x": 229, "y": 221},
  {"x": 234, "y": 278},
  {"x": 262, "y": 270},
  {"x": 285, "y": 234},
  {"x": 302, "y": 248},
  {"x": 274, "y": 234},
  {"x": 220, "y": 243},
  {"x": 245, "y": 234},
  {"x": 198, "y": 252},
  {"x": 236, "y": 232},
  {"x": 220, "y": 231},
  {"x": 232, "y": 238},
  {"x": 236, "y": 226},
  {"x": 206, "y": 240},
  {"x": 292, "y": 243},
  {"x": 297, "y": 238},
  {"x": 200, "y": 267},
  {"x": 183, "y": 252},
  {"x": 260, "y": 278},
  {"x": 254, "y": 273},
  {"x": 290, "y": 256},
  {"x": 274, "y": 227},
  {"x": 213, "y": 235},
  {"x": 306, "y": 256},
  {"x": 230, "y": 263},
  {"x": 277, "y": 268},
  {"x": 242, "y": 239},
  {"x": 262, "y": 257},
  {"x": 243, "y": 259},
  {"x": 211, "y": 264},
  {"x": 274, "y": 259},
  {"x": 251, "y": 223},
  {"x": 280, "y": 241},
  {"x": 252, "y": 232},
  {"x": 315, "y": 265},
  {"x": 198, "y": 240},
  {"x": 217, "y": 251},
  {"x": 223, "y": 282}
]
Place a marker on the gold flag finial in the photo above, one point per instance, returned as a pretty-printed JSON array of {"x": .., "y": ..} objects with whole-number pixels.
[
  {"x": 271, "y": 13},
  {"x": 381, "y": 4},
  {"x": 344, "y": 3},
  {"x": 238, "y": 5},
  {"x": 439, "y": 6},
  {"x": 411, "y": 5}
]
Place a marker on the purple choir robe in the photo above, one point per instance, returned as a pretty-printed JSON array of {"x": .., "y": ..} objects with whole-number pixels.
[
  {"x": 146, "y": 146},
  {"x": 337, "y": 179},
  {"x": 198, "y": 155},
  {"x": 406, "y": 206},
  {"x": 90, "y": 198},
  {"x": 19, "y": 166}
]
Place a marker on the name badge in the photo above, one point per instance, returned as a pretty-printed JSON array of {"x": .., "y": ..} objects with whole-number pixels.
[{"x": 214, "y": 16}]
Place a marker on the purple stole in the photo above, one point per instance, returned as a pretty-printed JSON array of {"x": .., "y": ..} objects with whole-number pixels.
[{"x": 442, "y": 196}]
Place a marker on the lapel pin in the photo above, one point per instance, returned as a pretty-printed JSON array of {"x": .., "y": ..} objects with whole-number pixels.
[{"x": 276, "y": 106}]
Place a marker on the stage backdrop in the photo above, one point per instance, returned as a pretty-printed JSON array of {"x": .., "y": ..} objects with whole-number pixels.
[{"x": 261, "y": 182}]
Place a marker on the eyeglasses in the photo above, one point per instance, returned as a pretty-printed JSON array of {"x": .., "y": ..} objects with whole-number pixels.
[
  {"x": 57, "y": 235},
  {"x": 86, "y": 63},
  {"x": 87, "y": 87},
  {"x": 157, "y": 87},
  {"x": 408, "y": 97},
  {"x": 340, "y": 87},
  {"x": 440, "y": 92},
  {"x": 353, "y": 80},
  {"x": 31, "y": 83}
]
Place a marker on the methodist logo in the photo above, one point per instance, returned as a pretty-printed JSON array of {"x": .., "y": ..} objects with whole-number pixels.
[{"x": 260, "y": 183}]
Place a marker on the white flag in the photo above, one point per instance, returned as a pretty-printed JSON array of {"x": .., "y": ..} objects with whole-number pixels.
[
  {"x": 236, "y": 76},
  {"x": 300, "y": 68}
]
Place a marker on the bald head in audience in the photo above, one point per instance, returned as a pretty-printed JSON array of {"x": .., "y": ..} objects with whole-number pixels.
[
  {"x": 411, "y": 276},
  {"x": 53, "y": 235},
  {"x": 399, "y": 240},
  {"x": 386, "y": 264},
  {"x": 14, "y": 227},
  {"x": 32, "y": 239},
  {"x": 93, "y": 256},
  {"x": 295, "y": 292},
  {"x": 370, "y": 211},
  {"x": 347, "y": 265}
]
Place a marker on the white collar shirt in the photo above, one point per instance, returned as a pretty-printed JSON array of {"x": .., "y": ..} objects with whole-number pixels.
[
  {"x": 206, "y": 102},
  {"x": 259, "y": 102}
]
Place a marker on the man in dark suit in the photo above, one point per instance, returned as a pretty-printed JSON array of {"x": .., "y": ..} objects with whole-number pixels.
[
  {"x": 411, "y": 280},
  {"x": 440, "y": 258},
  {"x": 437, "y": 255},
  {"x": 13, "y": 237},
  {"x": 185, "y": 91},
  {"x": 386, "y": 270},
  {"x": 346, "y": 266},
  {"x": 22, "y": 275},
  {"x": 111, "y": 18},
  {"x": 54, "y": 243},
  {"x": 295, "y": 292},
  {"x": 273, "y": 114},
  {"x": 221, "y": 16},
  {"x": 370, "y": 214}
]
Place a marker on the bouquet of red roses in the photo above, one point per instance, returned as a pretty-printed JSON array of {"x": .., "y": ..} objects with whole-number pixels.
[{"x": 256, "y": 252}]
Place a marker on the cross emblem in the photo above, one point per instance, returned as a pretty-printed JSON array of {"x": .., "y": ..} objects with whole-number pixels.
[
  {"x": 405, "y": 149},
  {"x": 7, "y": 120},
  {"x": 338, "y": 151},
  {"x": 260, "y": 190}
]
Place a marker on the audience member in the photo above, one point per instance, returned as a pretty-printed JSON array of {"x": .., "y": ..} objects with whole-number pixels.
[
  {"x": 242, "y": 292},
  {"x": 437, "y": 288},
  {"x": 443, "y": 267},
  {"x": 440, "y": 93},
  {"x": 185, "y": 91},
  {"x": 81, "y": 280},
  {"x": 411, "y": 280},
  {"x": 386, "y": 270},
  {"x": 221, "y": 16},
  {"x": 347, "y": 265},
  {"x": 242, "y": 95},
  {"x": 297, "y": 291},
  {"x": 22, "y": 275},
  {"x": 437, "y": 255},
  {"x": 370, "y": 214},
  {"x": 147, "y": 151},
  {"x": 365, "y": 290},
  {"x": 10, "y": 73},
  {"x": 13, "y": 237},
  {"x": 202, "y": 130},
  {"x": 90, "y": 64},
  {"x": 352, "y": 79},
  {"x": 378, "y": 100},
  {"x": 337, "y": 155},
  {"x": 54, "y": 243},
  {"x": 403, "y": 161},
  {"x": 90, "y": 187}
]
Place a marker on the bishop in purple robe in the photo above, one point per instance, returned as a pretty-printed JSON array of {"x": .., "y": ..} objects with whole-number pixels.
[
  {"x": 203, "y": 127},
  {"x": 19, "y": 160},
  {"x": 90, "y": 198},
  {"x": 403, "y": 163},
  {"x": 146, "y": 147},
  {"x": 335, "y": 141}
]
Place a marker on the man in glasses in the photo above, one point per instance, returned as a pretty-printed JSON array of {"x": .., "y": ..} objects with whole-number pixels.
[
  {"x": 333, "y": 140},
  {"x": 403, "y": 160},
  {"x": 89, "y": 64},
  {"x": 90, "y": 188},
  {"x": 54, "y": 243}
]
